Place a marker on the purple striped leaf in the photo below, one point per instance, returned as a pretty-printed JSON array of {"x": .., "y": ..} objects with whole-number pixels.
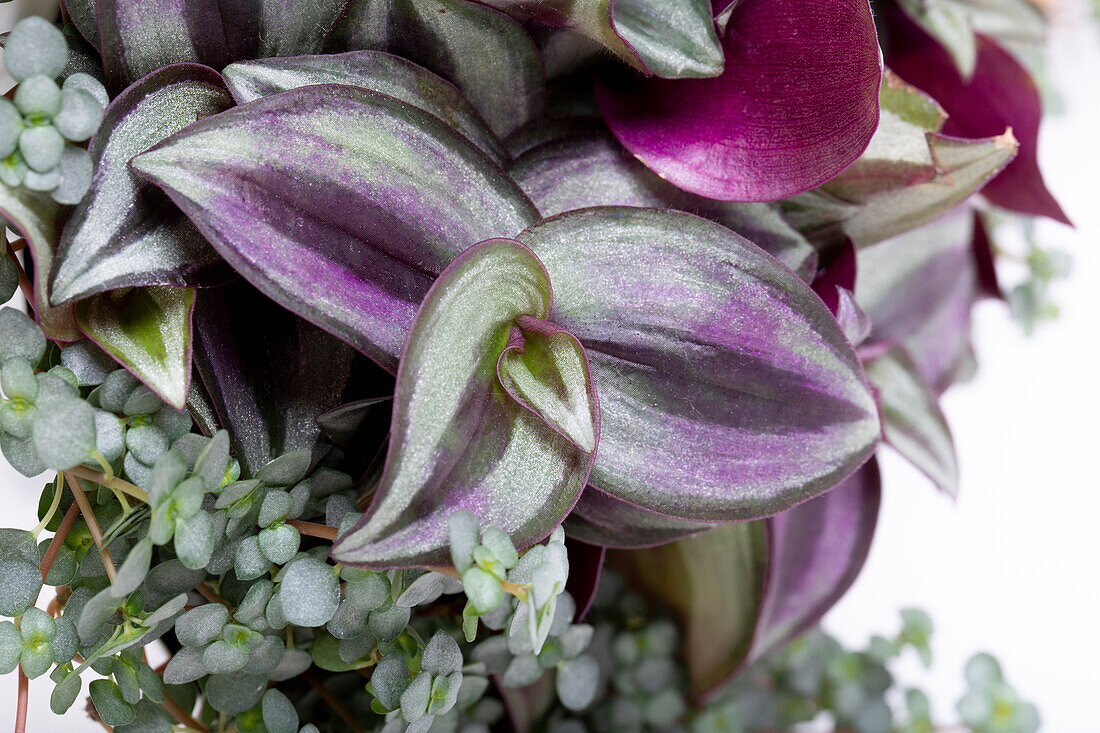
[
  {"x": 373, "y": 70},
  {"x": 796, "y": 104},
  {"x": 454, "y": 38},
  {"x": 913, "y": 423},
  {"x": 339, "y": 203},
  {"x": 601, "y": 519},
  {"x": 148, "y": 331},
  {"x": 1000, "y": 94},
  {"x": 683, "y": 44},
  {"x": 268, "y": 373},
  {"x": 82, "y": 15},
  {"x": 125, "y": 232},
  {"x": 918, "y": 289},
  {"x": 137, "y": 37},
  {"x": 38, "y": 217},
  {"x": 494, "y": 412},
  {"x": 743, "y": 589},
  {"x": 727, "y": 390},
  {"x": 580, "y": 170}
]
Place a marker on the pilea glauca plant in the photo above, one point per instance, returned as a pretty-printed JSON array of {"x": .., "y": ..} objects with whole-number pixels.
[{"x": 360, "y": 335}]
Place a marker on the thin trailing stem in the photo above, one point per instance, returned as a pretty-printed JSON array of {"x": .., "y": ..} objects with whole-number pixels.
[
  {"x": 313, "y": 529},
  {"x": 21, "y": 703},
  {"x": 57, "y": 489},
  {"x": 111, "y": 482},
  {"x": 334, "y": 702},
  {"x": 93, "y": 525},
  {"x": 182, "y": 715},
  {"x": 207, "y": 591},
  {"x": 54, "y": 547}
]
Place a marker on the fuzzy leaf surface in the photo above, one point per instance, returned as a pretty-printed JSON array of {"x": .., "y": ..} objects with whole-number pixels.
[
  {"x": 125, "y": 232},
  {"x": 347, "y": 221}
]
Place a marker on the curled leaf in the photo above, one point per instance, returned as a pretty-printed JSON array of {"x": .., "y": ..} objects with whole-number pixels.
[{"x": 516, "y": 455}]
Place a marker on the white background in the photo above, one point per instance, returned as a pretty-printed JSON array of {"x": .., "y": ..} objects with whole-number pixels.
[{"x": 1011, "y": 567}]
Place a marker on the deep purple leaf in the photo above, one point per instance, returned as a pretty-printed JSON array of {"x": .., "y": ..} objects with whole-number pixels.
[
  {"x": 816, "y": 550},
  {"x": 269, "y": 373},
  {"x": 601, "y": 519},
  {"x": 339, "y": 203},
  {"x": 982, "y": 247},
  {"x": 140, "y": 36},
  {"x": 727, "y": 390},
  {"x": 517, "y": 455},
  {"x": 1001, "y": 94},
  {"x": 840, "y": 272},
  {"x": 454, "y": 38},
  {"x": 796, "y": 104},
  {"x": 38, "y": 217},
  {"x": 582, "y": 169},
  {"x": 126, "y": 232},
  {"x": 743, "y": 589}
]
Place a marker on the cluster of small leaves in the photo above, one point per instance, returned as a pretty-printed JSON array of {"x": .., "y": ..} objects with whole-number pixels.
[
  {"x": 42, "y": 121},
  {"x": 642, "y": 685},
  {"x": 1031, "y": 299}
]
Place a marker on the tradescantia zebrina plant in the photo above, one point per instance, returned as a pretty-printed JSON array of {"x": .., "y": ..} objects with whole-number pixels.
[{"x": 364, "y": 328}]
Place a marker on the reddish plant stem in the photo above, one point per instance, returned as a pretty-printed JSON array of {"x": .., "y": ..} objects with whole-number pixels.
[
  {"x": 59, "y": 538},
  {"x": 332, "y": 700},
  {"x": 21, "y": 703},
  {"x": 93, "y": 525},
  {"x": 313, "y": 529},
  {"x": 207, "y": 592},
  {"x": 182, "y": 715}
]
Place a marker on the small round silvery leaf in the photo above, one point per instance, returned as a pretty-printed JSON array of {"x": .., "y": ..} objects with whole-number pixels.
[
  {"x": 286, "y": 470},
  {"x": 64, "y": 431},
  {"x": 89, "y": 84},
  {"x": 279, "y": 713},
  {"x": 79, "y": 114},
  {"x": 11, "y": 646},
  {"x": 577, "y": 682},
  {"x": 194, "y": 540},
  {"x": 35, "y": 46},
  {"x": 38, "y": 97},
  {"x": 11, "y": 124},
  {"x": 249, "y": 562},
  {"x": 41, "y": 148},
  {"x": 279, "y": 543},
  {"x": 415, "y": 698},
  {"x": 75, "y": 175},
  {"x": 309, "y": 592},
  {"x": 463, "y": 530},
  {"x": 18, "y": 380},
  {"x": 185, "y": 666},
  {"x": 235, "y": 693},
  {"x": 441, "y": 655},
  {"x": 390, "y": 678},
  {"x": 109, "y": 703},
  {"x": 20, "y": 336},
  {"x": 20, "y": 582},
  {"x": 387, "y": 622},
  {"x": 223, "y": 658},
  {"x": 65, "y": 694}
]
